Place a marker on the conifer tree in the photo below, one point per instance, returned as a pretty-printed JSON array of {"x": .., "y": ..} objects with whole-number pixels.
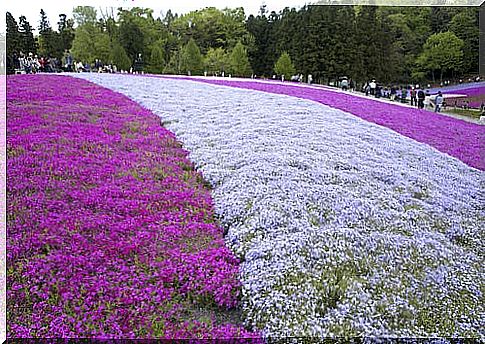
[
  {"x": 284, "y": 66},
  {"x": 239, "y": 62}
]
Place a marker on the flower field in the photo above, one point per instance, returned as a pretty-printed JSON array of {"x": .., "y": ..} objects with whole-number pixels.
[
  {"x": 455, "y": 137},
  {"x": 475, "y": 92},
  {"x": 475, "y": 95},
  {"x": 458, "y": 87},
  {"x": 343, "y": 227},
  {"x": 111, "y": 232}
]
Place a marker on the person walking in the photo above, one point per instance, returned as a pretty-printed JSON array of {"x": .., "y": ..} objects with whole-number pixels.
[
  {"x": 421, "y": 96},
  {"x": 414, "y": 100},
  {"x": 366, "y": 88},
  {"x": 438, "y": 102},
  {"x": 404, "y": 95},
  {"x": 28, "y": 62},
  {"x": 344, "y": 84},
  {"x": 373, "y": 86},
  {"x": 139, "y": 64},
  {"x": 427, "y": 100},
  {"x": 393, "y": 93},
  {"x": 69, "y": 61}
]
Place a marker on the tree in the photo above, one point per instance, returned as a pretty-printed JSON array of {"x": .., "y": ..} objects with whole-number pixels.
[
  {"x": 316, "y": 42},
  {"x": 239, "y": 62},
  {"x": 174, "y": 65},
  {"x": 157, "y": 58},
  {"x": 192, "y": 60},
  {"x": 215, "y": 61},
  {"x": 169, "y": 18},
  {"x": 82, "y": 45},
  {"x": 284, "y": 66},
  {"x": 119, "y": 57},
  {"x": 407, "y": 27},
  {"x": 442, "y": 51},
  {"x": 44, "y": 22},
  {"x": 13, "y": 44},
  {"x": 212, "y": 28},
  {"x": 66, "y": 32},
  {"x": 131, "y": 38},
  {"x": 49, "y": 43},
  {"x": 341, "y": 44},
  {"x": 84, "y": 15},
  {"x": 465, "y": 26},
  {"x": 27, "y": 41},
  {"x": 90, "y": 43},
  {"x": 260, "y": 29},
  {"x": 440, "y": 18},
  {"x": 13, "y": 35}
]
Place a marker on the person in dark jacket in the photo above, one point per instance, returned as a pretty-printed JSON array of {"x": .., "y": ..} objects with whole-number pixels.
[
  {"x": 414, "y": 99},
  {"x": 138, "y": 65},
  {"x": 420, "y": 96},
  {"x": 404, "y": 95}
]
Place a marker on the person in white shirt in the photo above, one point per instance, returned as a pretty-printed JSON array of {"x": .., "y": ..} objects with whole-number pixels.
[
  {"x": 438, "y": 101},
  {"x": 79, "y": 67},
  {"x": 427, "y": 100},
  {"x": 344, "y": 84},
  {"x": 373, "y": 86}
]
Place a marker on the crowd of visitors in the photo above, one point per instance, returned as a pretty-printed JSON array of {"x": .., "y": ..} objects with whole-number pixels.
[
  {"x": 412, "y": 94},
  {"x": 30, "y": 64},
  {"x": 415, "y": 95}
]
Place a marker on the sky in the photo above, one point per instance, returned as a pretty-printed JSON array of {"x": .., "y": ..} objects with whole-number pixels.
[{"x": 53, "y": 8}]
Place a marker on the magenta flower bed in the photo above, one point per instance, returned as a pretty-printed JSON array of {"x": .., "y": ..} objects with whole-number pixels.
[
  {"x": 475, "y": 95},
  {"x": 457, "y": 87},
  {"x": 460, "y": 139},
  {"x": 111, "y": 232}
]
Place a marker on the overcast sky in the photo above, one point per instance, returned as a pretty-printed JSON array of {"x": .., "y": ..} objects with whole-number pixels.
[{"x": 52, "y": 8}]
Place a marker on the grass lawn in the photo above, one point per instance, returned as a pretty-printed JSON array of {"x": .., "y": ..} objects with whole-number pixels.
[{"x": 473, "y": 113}]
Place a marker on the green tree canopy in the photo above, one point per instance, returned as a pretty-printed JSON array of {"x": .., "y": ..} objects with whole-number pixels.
[
  {"x": 84, "y": 15},
  {"x": 13, "y": 35},
  {"x": 90, "y": 43},
  {"x": 157, "y": 58},
  {"x": 239, "y": 62},
  {"x": 49, "y": 40},
  {"x": 66, "y": 32},
  {"x": 192, "y": 60},
  {"x": 119, "y": 57},
  {"x": 174, "y": 65},
  {"x": 260, "y": 28},
  {"x": 465, "y": 26},
  {"x": 361, "y": 42},
  {"x": 215, "y": 60},
  {"x": 442, "y": 51},
  {"x": 27, "y": 41},
  {"x": 284, "y": 66},
  {"x": 132, "y": 38}
]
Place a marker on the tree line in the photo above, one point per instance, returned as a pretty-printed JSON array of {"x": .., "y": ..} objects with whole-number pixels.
[{"x": 390, "y": 44}]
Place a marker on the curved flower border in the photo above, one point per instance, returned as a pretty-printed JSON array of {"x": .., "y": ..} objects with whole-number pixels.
[
  {"x": 345, "y": 228},
  {"x": 111, "y": 232},
  {"x": 460, "y": 139}
]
